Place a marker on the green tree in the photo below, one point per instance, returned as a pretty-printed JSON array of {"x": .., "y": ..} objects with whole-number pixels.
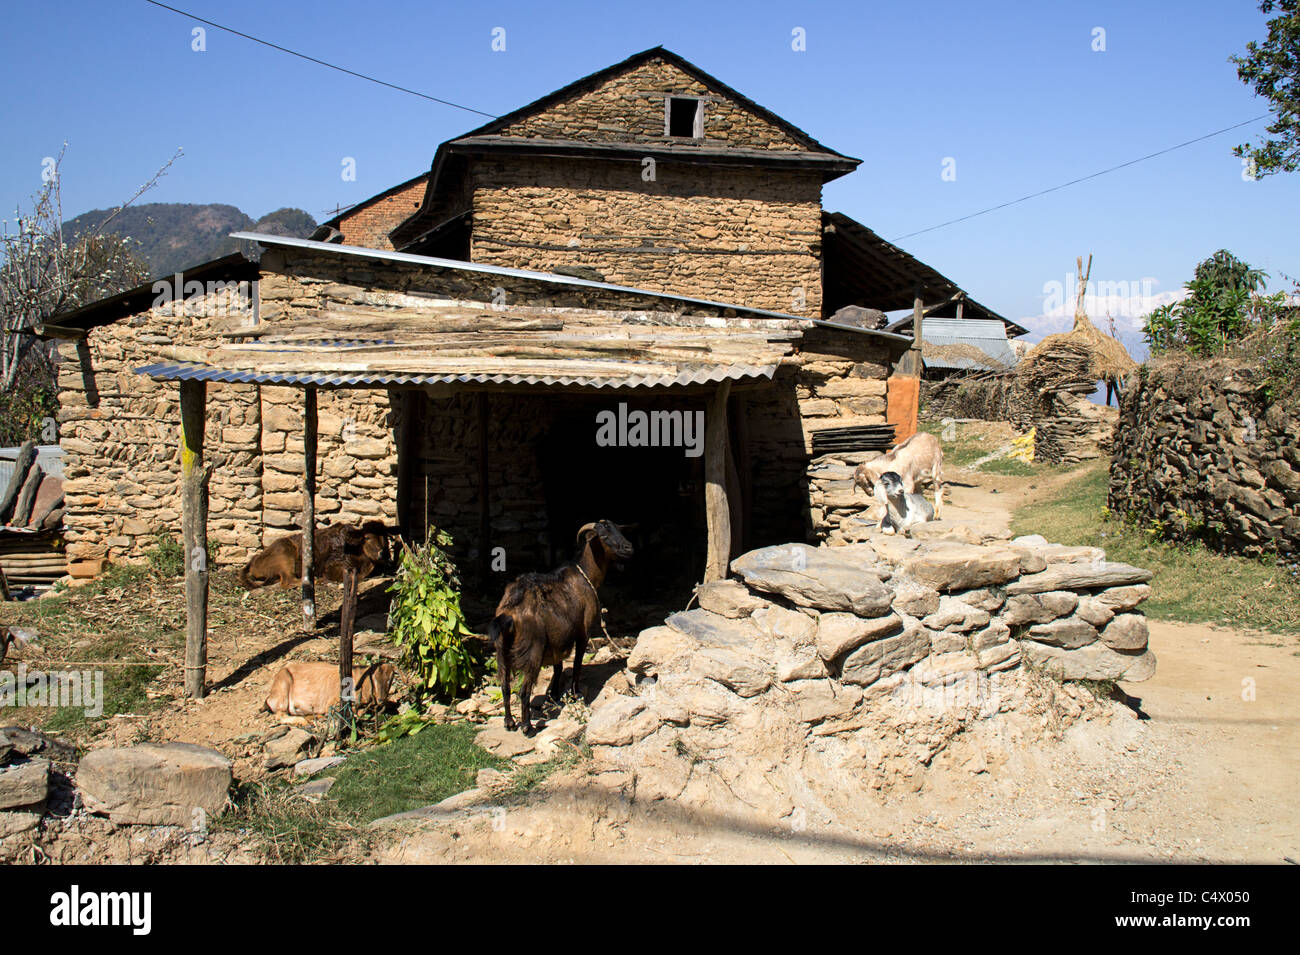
[{"x": 1273, "y": 69}]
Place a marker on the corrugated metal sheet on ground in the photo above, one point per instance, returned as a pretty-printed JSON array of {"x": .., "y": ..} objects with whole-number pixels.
[
  {"x": 193, "y": 371},
  {"x": 987, "y": 335}
]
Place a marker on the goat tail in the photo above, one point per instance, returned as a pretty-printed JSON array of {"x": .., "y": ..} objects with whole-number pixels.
[{"x": 501, "y": 633}]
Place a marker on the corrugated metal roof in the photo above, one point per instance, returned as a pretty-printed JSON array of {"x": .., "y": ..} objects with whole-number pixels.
[
  {"x": 194, "y": 371},
  {"x": 988, "y": 335}
]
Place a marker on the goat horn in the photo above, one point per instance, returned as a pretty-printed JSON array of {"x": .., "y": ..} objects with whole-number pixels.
[{"x": 583, "y": 529}]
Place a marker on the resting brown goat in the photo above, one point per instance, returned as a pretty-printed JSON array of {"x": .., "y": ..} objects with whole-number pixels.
[
  {"x": 541, "y": 617},
  {"x": 281, "y": 561}
]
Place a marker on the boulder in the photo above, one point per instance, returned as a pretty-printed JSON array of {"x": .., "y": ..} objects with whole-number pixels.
[
  {"x": 1093, "y": 611},
  {"x": 802, "y": 663},
  {"x": 816, "y": 577},
  {"x": 840, "y": 633},
  {"x": 621, "y": 722},
  {"x": 17, "y": 742},
  {"x": 728, "y": 598},
  {"x": 1127, "y": 631},
  {"x": 914, "y": 598},
  {"x": 948, "y": 567},
  {"x": 879, "y": 658},
  {"x": 1093, "y": 662},
  {"x": 659, "y": 650},
  {"x": 154, "y": 784},
  {"x": 946, "y": 530},
  {"x": 1079, "y": 576},
  {"x": 25, "y": 785}
]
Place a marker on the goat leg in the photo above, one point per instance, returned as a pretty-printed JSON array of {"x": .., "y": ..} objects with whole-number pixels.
[
  {"x": 526, "y": 700},
  {"x": 557, "y": 682},
  {"x": 579, "y": 651},
  {"x": 503, "y": 670}
]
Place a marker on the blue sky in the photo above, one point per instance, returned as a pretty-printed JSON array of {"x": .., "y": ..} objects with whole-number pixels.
[{"x": 1013, "y": 93}]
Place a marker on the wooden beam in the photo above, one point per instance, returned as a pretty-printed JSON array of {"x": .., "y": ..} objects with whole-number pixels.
[
  {"x": 745, "y": 469},
  {"x": 717, "y": 509},
  {"x": 347, "y": 626},
  {"x": 194, "y": 533},
  {"x": 309, "y": 510}
]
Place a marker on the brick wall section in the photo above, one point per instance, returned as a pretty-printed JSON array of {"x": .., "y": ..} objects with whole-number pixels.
[
  {"x": 733, "y": 234},
  {"x": 630, "y": 108},
  {"x": 369, "y": 224}
]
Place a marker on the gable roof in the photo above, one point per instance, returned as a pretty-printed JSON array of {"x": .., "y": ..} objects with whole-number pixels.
[
  {"x": 487, "y": 138},
  {"x": 324, "y": 228}
]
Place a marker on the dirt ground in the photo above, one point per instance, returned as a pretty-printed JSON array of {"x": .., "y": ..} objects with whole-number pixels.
[{"x": 1198, "y": 765}]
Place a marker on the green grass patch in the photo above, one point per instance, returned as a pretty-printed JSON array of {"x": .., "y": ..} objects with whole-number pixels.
[{"x": 1191, "y": 584}]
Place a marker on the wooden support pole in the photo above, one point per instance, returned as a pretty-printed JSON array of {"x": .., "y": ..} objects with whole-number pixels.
[
  {"x": 484, "y": 492},
  {"x": 309, "y": 511},
  {"x": 347, "y": 626},
  {"x": 717, "y": 509},
  {"x": 745, "y": 469},
  {"x": 194, "y": 533}
]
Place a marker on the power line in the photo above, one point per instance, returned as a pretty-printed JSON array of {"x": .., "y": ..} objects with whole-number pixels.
[
  {"x": 1074, "y": 182},
  {"x": 332, "y": 66}
]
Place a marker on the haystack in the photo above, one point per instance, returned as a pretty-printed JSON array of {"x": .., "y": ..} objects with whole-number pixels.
[{"x": 1110, "y": 360}]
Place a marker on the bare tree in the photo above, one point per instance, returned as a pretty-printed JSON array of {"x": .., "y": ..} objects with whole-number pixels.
[{"x": 43, "y": 274}]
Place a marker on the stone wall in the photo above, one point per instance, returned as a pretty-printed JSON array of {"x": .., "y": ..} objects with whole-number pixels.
[
  {"x": 822, "y": 672},
  {"x": 1201, "y": 452},
  {"x": 733, "y": 234}
]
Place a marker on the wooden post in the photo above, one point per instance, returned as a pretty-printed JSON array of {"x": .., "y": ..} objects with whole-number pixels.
[
  {"x": 309, "y": 510},
  {"x": 484, "y": 492},
  {"x": 745, "y": 468},
  {"x": 194, "y": 533},
  {"x": 717, "y": 510},
  {"x": 347, "y": 625}
]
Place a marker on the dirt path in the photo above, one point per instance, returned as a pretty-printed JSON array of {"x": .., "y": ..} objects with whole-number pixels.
[{"x": 1200, "y": 766}]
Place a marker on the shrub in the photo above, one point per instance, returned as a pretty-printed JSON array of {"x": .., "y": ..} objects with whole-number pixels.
[{"x": 426, "y": 622}]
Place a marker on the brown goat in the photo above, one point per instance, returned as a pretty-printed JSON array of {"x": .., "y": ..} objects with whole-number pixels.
[
  {"x": 541, "y": 617},
  {"x": 919, "y": 458},
  {"x": 281, "y": 561}
]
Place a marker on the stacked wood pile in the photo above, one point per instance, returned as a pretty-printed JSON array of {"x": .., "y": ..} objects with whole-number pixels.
[{"x": 31, "y": 519}]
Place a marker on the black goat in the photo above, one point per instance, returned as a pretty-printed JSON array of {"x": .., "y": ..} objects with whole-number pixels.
[{"x": 541, "y": 617}]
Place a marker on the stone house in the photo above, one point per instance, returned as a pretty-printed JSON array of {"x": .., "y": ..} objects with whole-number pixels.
[{"x": 649, "y": 195}]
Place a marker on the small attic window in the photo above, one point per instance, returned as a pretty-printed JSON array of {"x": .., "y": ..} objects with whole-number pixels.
[{"x": 684, "y": 117}]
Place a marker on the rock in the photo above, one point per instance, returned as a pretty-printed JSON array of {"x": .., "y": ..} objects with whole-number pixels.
[
  {"x": 988, "y": 599},
  {"x": 914, "y": 598},
  {"x": 314, "y": 790},
  {"x": 712, "y": 630},
  {"x": 17, "y": 741},
  {"x": 659, "y": 650},
  {"x": 943, "y": 668},
  {"x": 1093, "y": 611},
  {"x": 816, "y": 577},
  {"x": 449, "y": 808},
  {"x": 155, "y": 784},
  {"x": 999, "y": 656},
  {"x": 743, "y": 673},
  {"x": 1093, "y": 662},
  {"x": 1082, "y": 576},
  {"x": 1039, "y": 608},
  {"x": 16, "y": 823},
  {"x": 499, "y": 741},
  {"x": 1068, "y": 633},
  {"x": 1120, "y": 599},
  {"x": 289, "y": 746},
  {"x": 804, "y": 663},
  {"x": 948, "y": 567},
  {"x": 728, "y": 598},
  {"x": 310, "y": 767},
  {"x": 815, "y": 701},
  {"x": 25, "y": 785},
  {"x": 840, "y": 633},
  {"x": 562, "y": 730},
  {"x": 488, "y": 779},
  {"x": 879, "y": 658},
  {"x": 783, "y": 624},
  {"x": 946, "y": 530},
  {"x": 1127, "y": 631},
  {"x": 621, "y": 722},
  {"x": 997, "y": 632},
  {"x": 957, "y": 615}
]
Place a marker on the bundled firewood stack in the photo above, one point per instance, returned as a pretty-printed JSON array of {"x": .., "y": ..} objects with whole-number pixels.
[{"x": 31, "y": 521}]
